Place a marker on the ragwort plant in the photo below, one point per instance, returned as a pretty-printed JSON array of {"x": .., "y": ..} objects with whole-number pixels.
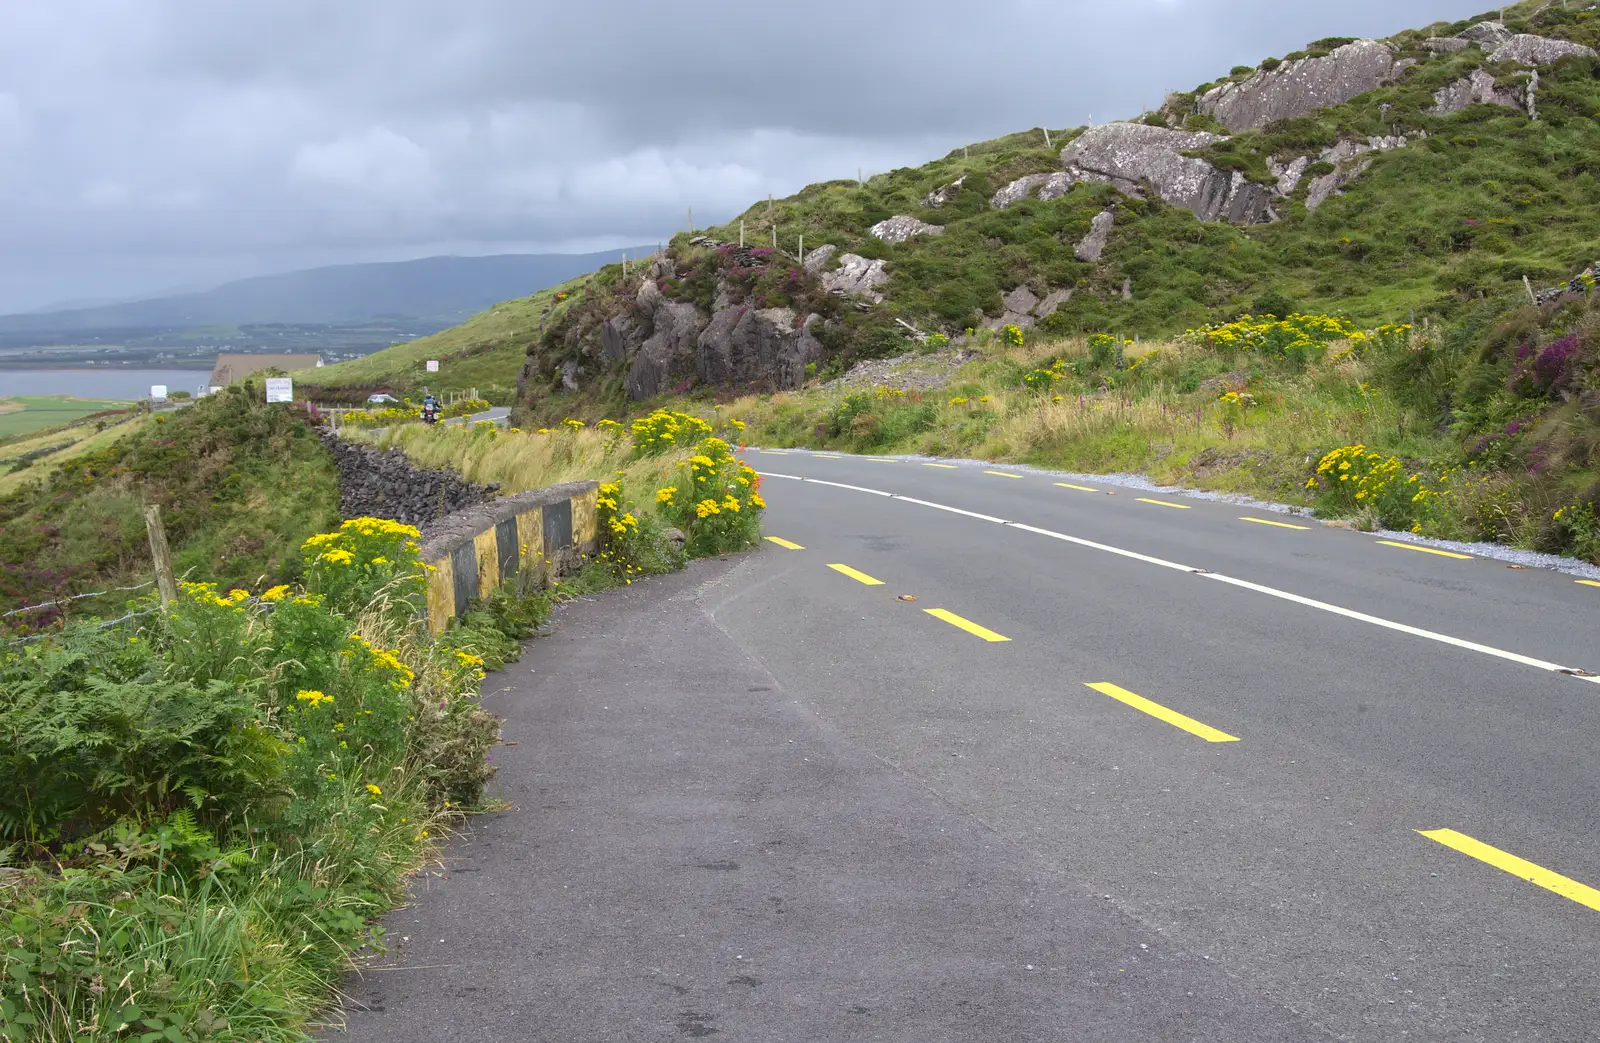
[
  {"x": 715, "y": 500},
  {"x": 210, "y": 808}
]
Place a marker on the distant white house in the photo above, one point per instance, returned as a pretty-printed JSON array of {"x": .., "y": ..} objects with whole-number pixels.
[{"x": 232, "y": 368}]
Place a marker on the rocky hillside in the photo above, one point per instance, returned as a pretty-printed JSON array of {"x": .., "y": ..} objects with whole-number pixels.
[{"x": 1382, "y": 179}]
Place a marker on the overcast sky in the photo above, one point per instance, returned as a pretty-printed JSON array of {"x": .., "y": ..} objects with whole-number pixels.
[{"x": 147, "y": 144}]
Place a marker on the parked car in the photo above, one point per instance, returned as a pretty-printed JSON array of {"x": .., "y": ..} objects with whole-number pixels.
[{"x": 380, "y": 398}]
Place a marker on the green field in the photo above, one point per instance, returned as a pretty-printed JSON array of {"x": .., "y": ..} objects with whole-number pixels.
[{"x": 24, "y": 414}]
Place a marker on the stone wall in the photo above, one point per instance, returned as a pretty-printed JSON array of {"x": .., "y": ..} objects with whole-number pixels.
[
  {"x": 527, "y": 539},
  {"x": 377, "y": 483}
]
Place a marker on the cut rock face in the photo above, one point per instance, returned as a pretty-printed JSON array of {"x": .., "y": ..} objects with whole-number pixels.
[
  {"x": 856, "y": 276},
  {"x": 1127, "y": 153},
  {"x": 899, "y": 228},
  {"x": 668, "y": 353},
  {"x": 1525, "y": 49},
  {"x": 744, "y": 345},
  {"x": 1301, "y": 87}
]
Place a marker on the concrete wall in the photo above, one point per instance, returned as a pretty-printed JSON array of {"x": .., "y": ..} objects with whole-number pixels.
[{"x": 532, "y": 537}]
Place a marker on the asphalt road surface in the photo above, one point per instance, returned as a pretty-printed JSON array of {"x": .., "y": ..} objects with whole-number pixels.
[{"x": 975, "y": 753}]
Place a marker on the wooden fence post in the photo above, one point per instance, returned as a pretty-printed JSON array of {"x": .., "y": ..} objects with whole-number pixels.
[{"x": 161, "y": 554}]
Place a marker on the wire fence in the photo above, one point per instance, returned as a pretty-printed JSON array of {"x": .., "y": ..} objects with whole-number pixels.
[
  {"x": 58, "y": 602},
  {"x": 108, "y": 624}
]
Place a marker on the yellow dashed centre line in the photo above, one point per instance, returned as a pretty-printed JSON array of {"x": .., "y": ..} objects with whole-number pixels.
[
  {"x": 825, "y": 456},
  {"x": 1156, "y": 710},
  {"x": 1080, "y": 488},
  {"x": 947, "y": 467},
  {"x": 1588, "y": 582},
  {"x": 1425, "y": 550},
  {"x": 1003, "y": 474},
  {"x": 784, "y": 543},
  {"x": 965, "y": 624},
  {"x": 1548, "y": 879},
  {"x": 881, "y": 459},
  {"x": 859, "y": 577},
  {"x": 1281, "y": 525},
  {"x": 1163, "y": 503}
]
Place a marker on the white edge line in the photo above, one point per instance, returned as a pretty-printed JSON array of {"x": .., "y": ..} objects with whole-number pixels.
[
  {"x": 1348, "y": 613},
  {"x": 953, "y": 510}
]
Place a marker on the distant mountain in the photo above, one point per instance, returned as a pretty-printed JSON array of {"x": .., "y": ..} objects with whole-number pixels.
[{"x": 444, "y": 288}]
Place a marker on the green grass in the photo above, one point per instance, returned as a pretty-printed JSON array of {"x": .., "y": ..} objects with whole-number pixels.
[
  {"x": 25, "y": 414},
  {"x": 485, "y": 352},
  {"x": 240, "y": 485}
]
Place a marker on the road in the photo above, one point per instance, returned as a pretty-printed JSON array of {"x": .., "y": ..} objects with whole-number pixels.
[{"x": 969, "y": 752}]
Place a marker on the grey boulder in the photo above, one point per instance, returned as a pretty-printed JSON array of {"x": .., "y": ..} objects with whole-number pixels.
[
  {"x": 901, "y": 227},
  {"x": 1445, "y": 44},
  {"x": 940, "y": 196},
  {"x": 1525, "y": 49},
  {"x": 1487, "y": 34},
  {"x": 1091, "y": 246},
  {"x": 1041, "y": 186},
  {"x": 1301, "y": 87},
  {"x": 816, "y": 260},
  {"x": 856, "y": 276},
  {"x": 1052, "y": 300},
  {"x": 1128, "y": 153},
  {"x": 1476, "y": 88}
]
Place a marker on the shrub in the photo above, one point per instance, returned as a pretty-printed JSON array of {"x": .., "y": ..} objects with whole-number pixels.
[
  {"x": 715, "y": 502},
  {"x": 1353, "y": 478},
  {"x": 365, "y": 557},
  {"x": 664, "y": 430}
]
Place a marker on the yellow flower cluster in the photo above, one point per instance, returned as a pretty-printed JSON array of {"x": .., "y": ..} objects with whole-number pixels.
[
  {"x": 278, "y": 593},
  {"x": 1369, "y": 473},
  {"x": 664, "y": 429},
  {"x": 206, "y": 594},
  {"x": 576, "y": 425},
  {"x": 1277, "y": 336},
  {"x": 312, "y": 698},
  {"x": 665, "y": 495}
]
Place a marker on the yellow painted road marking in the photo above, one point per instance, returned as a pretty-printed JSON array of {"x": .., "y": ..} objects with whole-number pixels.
[
  {"x": 1003, "y": 474},
  {"x": 784, "y": 543},
  {"x": 1426, "y": 550},
  {"x": 1156, "y": 710},
  {"x": 859, "y": 577},
  {"x": 1281, "y": 525},
  {"x": 1588, "y": 582},
  {"x": 881, "y": 459},
  {"x": 825, "y": 456},
  {"x": 1163, "y": 503},
  {"x": 1566, "y": 887},
  {"x": 947, "y": 467},
  {"x": 965, "y": 624},
  {"x": 1080, "y": 488}
]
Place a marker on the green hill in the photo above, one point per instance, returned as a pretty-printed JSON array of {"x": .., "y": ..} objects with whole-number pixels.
[{"x": 1470, "y": 204}]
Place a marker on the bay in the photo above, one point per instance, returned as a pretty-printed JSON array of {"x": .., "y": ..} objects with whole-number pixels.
[{"x": 109, "y": 382}]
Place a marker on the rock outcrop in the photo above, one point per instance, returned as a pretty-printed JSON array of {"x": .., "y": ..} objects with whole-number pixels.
[
  {"x": 668, "y": 353},
  {"x": 376, "y": 483},
  {"x": 816, "y": 260},
  {"x": 1347, "y": 166},
  {"x": 1525, "y": 49},
  {"x": 1127, "y": 154},
  {"x": 1487, "y": 35},
  {"x": 1446, "y": 44},
  {"x": 1052, "y": 300},
  {"x": 901, "y": 227},
  {"x": 569, "y": 376},
  {"x": 1023, "y": 307},
  {"x": 620, "y": 337},
  {"x": 1476, "y": 88},
  {"x": 856, "y": 276},
  {"x": 1301, "y": 87},
  {"x": 1039, "y": 186},
  {"x": 744, "y": 345},
  {"x": 940, "y": 196},
  {"x": 1091, "y": 246},
  {"x": 1288, "y": 174}
]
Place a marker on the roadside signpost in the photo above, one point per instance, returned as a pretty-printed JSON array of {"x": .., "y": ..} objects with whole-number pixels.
[
  {"x": 433, "y": 365},
  {"x": 280, "y": 389},
  {"x": 158, "y": 392}
]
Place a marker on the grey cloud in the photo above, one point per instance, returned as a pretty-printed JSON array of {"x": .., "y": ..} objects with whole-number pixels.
[{"x": 150, "y": 142}]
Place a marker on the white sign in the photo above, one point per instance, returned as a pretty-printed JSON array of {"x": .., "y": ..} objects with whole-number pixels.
[
  {"x": 280, "y": 389},
  {"x": 158, "y": 392},
  {"x": 433, "y": 365}
]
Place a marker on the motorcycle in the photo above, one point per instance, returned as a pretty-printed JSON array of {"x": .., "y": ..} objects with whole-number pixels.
[{"x": 430, "y": 413}]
